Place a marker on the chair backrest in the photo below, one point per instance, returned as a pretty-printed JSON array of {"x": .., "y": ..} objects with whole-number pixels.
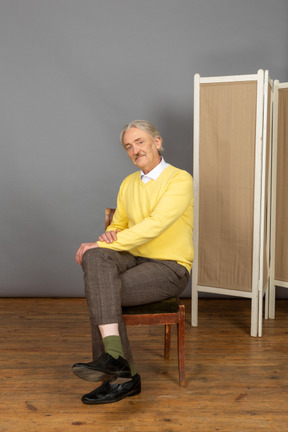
[{"x": 109, "y": 212}]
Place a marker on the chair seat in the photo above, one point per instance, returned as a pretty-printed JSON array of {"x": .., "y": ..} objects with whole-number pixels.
[{"x": 170, "y": 305}]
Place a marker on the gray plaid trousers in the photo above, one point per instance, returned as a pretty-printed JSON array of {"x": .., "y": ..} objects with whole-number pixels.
[{"x": 115, "y": 279}]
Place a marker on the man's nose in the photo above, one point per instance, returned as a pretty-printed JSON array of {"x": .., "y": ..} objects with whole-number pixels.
[{"x": 136, "y": 149}]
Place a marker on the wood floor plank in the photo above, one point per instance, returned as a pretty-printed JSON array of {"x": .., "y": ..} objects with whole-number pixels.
[{"x": 234, "y": 382}]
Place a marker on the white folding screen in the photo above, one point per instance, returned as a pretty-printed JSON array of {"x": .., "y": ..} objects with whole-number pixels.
[
  {"x": 231, "y": 190},
  {"x": 279, "y": 212}
]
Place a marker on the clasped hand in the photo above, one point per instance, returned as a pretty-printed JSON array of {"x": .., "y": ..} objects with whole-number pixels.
[{"x": 107, "y": 237}]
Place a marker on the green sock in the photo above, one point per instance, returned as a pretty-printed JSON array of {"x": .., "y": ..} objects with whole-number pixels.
[{"x": 113, "y": 346}]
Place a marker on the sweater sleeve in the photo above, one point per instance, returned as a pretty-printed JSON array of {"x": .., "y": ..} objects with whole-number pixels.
[
  {"x": 120, "y": 218},
  {"x": 171, "y": 206}
]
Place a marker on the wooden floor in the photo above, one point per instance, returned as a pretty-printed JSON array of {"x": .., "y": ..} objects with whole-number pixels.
[{"x": 234, "y": 382}]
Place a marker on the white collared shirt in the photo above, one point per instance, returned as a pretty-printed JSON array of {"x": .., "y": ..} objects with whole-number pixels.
[{"x": 154, "y": 174}]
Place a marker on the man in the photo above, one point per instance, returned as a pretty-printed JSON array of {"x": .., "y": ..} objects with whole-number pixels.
[{"x": 144, "y": 256}]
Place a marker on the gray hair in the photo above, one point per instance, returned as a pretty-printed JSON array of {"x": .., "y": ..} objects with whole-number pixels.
[{"x": 146, "y": 127}]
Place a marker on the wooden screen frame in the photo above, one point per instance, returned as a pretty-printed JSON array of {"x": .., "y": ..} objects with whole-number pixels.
[{"x": 258, "y": 285}]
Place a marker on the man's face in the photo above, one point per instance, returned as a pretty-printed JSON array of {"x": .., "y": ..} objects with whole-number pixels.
[{"x": 142, "y": 149}]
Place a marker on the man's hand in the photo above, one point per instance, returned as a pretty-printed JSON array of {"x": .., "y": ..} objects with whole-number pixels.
[
  {"x": 82, "y": 249},
  {"x": 109, "y": 236}
]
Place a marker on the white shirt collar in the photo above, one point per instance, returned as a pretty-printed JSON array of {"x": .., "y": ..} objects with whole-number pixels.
[{"x": 154, "y": 174}]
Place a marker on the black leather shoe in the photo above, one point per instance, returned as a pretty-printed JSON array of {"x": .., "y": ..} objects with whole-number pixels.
[
  {"x": 105, "y": 368},
  {"x": 109, "y": 392}
]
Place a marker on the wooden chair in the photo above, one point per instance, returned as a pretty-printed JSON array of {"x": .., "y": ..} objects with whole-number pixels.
[{"x": 166, "y": 312}]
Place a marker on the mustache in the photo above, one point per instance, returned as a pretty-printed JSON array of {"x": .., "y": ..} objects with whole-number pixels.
[{"x": 138, "y": 155}]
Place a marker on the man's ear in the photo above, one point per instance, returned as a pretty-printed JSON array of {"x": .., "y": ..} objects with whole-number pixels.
[{"x": 158, "y": 142}]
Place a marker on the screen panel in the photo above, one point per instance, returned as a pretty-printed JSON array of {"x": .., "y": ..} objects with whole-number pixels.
[{"x": 226, "y": 184}]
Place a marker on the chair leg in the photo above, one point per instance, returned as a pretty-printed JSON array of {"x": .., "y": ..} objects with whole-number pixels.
[
  {"x": 181, "y": 345},
  {"x": 167, "y": 341}
]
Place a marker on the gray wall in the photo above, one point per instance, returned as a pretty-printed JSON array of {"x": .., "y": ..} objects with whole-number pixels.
[{"x": 73, "y": 72}]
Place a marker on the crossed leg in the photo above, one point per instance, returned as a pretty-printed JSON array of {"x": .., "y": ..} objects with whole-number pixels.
[{"x": 115, "y": 279}]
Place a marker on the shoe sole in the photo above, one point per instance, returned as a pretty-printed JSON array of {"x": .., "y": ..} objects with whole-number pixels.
[
  {"x": 93, "y": 375},
  {"x": 133, "y": 392}
]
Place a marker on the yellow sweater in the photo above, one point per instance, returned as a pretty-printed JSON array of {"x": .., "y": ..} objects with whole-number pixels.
[{"x": 155, "y": 219}]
